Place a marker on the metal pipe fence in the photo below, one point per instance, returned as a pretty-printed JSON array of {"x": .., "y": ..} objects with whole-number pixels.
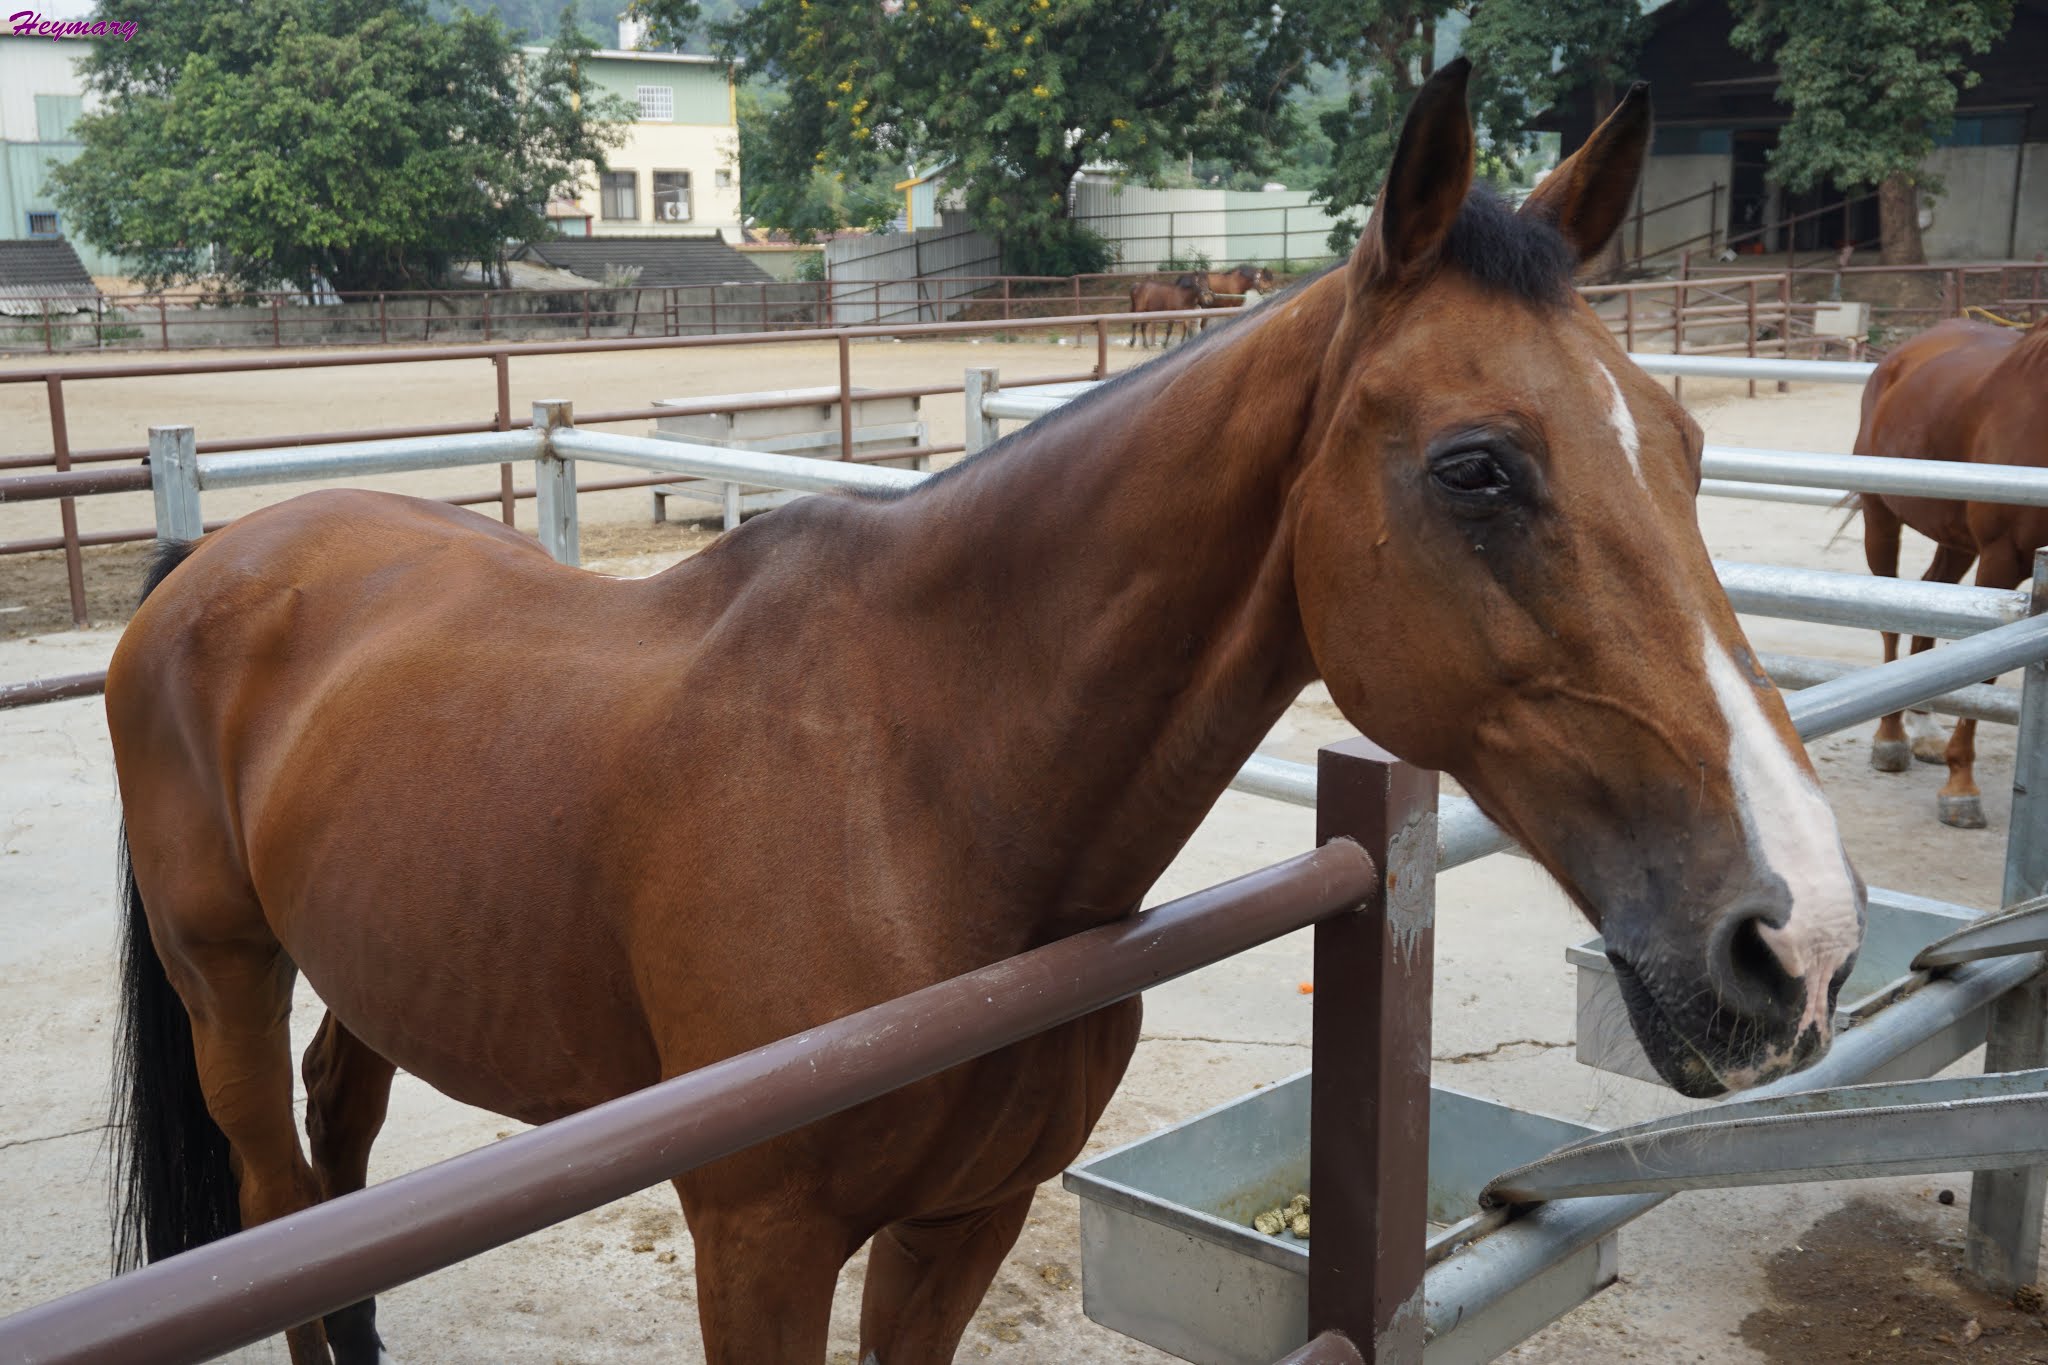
[{"x": 256, "y": 1283}]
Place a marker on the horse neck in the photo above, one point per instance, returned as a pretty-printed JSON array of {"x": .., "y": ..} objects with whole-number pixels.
[{"x": 1124, "y": 575}]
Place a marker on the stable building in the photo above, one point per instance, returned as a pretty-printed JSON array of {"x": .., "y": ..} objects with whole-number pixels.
[{"x": 1718, "y": 119}]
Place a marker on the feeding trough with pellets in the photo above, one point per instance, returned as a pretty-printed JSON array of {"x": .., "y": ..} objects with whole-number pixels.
[{"x": 1170, "y": 1255}]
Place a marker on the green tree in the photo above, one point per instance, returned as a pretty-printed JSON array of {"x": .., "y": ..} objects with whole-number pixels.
[
  {"x": 799, "y": 197},
  {"x": 1386, "y": 50},
  {"x": 355, "y": 141},
  {"x": 1528, "y": 55},
  {"x": 1018, "y": 94},
  {"x": 1871, "y": 84}
]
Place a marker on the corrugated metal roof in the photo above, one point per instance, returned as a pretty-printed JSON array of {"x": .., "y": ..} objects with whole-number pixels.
[{"x": 662, "y": 261}]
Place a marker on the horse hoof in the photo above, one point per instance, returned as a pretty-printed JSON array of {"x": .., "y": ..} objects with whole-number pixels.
[
  {"x": 1891, "y": 755},
  {"x": 1962, "y": 812},
  {"x": 1931, "y": 751}
]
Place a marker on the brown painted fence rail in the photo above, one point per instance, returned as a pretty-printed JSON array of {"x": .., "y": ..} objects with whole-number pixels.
[{"x": 257, "y": 1283}]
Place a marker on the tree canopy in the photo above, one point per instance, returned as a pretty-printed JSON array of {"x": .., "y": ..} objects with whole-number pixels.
[
  {"x": 355, "y": 141},
  {"x": 1018, "y": 95},
  {"x": 1870, "y": 85}
]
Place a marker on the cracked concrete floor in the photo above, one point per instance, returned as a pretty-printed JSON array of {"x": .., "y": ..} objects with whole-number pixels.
[{"x": 614, "y": 1285}]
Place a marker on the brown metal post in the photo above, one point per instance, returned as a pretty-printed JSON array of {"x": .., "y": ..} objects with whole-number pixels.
[
  {"x": 163, "y": 325},
  {"x": 74, "y": 563},
  {"x": 49, "y": 345},
  {"x": 846, "y": 397},
  {"x": 586, "y": 315},
  {"x": 502, "y": 421},
  {"x": 1678, "y": 324},
  {"x": 714, "y": 311},
  {"x": 1628, "y": 319},
  {"x": 1785, "y": 323},
  {"x": 1752, "y": 332},
  {"x": 1006, "y": 298},
  {"x": 276, "y": 331},
  {"x": 383, "y": 323},
  {"x": 1714, "y": 216},
  {"x": 1369, "y": 1097},
  {"x": 487, "y": 317},
  {"x": 1102, "y": 348}
]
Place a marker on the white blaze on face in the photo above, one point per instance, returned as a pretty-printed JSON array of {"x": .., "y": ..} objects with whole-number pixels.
[
  {"x": 1624, "y": 423},
  {"x": 1791, "y": 833}
]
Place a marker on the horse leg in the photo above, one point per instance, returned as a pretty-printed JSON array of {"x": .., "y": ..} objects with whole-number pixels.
[
  {"x": 1960, "y": 804},
  {"x": 348, "y": 1089},
  {"x": 1930, "y": 743},
  {"x": 1890, "y": 751},
  {"x": 926, "y": 1277},
  {"x": 239, "y": 994},
  {"x": 765, "y": 1275}
]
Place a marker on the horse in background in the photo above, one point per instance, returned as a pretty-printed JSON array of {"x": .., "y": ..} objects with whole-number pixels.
[
  {"x": 1976, "y": 393},
  {"x": 1150, "y": 296},
  {"x": 1240, "y": 280}
]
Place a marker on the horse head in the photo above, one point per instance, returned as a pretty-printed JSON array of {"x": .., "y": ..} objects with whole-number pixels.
[{"x": 1498, "y": 507}]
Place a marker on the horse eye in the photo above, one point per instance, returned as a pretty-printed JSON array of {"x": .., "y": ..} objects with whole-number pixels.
[{"x": 1471, "y": 474}]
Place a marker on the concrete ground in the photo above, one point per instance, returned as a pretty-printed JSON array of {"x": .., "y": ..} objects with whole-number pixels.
[{"x": 1701, "y": 1274}]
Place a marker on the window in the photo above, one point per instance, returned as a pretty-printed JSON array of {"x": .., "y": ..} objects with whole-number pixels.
[
  {"x": 723, "y": 179},
  {"x": 671, "y": 196},
  {"x": 43, "y": 224},
  {"x": 657, "y": 103},
  {"x": 1666, "y": 141},
  {"x": 619, "y": 196},
  {"x": 1985, "y": 130}
]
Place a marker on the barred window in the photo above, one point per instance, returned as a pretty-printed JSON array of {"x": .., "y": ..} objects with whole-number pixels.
[{"x": 657, "y": 103}]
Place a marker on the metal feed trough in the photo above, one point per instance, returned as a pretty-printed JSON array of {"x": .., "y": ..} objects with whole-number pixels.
[
  {"x": 807, "y": 424},
  {"x": 1169, "y": 1257}
]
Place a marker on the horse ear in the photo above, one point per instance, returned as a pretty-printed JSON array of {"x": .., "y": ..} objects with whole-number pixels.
[
  {"x": 1427, "y": 184},
  {"x": 1589, "y": 193}
]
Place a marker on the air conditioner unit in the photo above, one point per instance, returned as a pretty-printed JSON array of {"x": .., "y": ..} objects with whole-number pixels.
[{"x": 673, "y": 212}]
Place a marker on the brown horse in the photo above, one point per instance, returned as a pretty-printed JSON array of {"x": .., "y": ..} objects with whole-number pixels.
[
  {"x": 1241, "y": 280},
  {"x": 1977, "y": 393},
  {"x": 542, "y": 837},
  {"x": 1149, "y": 296}
]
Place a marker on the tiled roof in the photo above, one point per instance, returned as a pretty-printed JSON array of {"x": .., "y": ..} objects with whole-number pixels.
[
  {"x": 663, "y": 261},
  {"x": 32, "y": 271}
]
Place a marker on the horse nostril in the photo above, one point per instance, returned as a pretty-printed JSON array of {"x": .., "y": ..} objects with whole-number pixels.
[{"x": 1749, "y": 976}]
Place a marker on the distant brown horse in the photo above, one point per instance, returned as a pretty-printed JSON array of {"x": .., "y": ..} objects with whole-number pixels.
[
  {"x": 543, "y": 837},
  {"x": 1241, "y": 280},
  {"x": 1977, "y": 393},
  {"x": 1149, "y": 296}
]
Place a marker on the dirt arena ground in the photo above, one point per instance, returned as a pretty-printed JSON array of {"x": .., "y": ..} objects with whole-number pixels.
[{"x": 1799, "y": 1276}]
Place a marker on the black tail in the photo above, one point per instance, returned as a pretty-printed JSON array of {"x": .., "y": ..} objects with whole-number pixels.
[{"x": 173, "y": 1186}]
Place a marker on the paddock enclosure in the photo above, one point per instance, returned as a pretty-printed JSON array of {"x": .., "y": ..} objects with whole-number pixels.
[{"x": 613, "y": 1284}]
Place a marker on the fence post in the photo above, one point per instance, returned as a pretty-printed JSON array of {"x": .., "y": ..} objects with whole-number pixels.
[
  {"x": 1101, "y": 348},
  {"x": 1170, "y": 250},
  {"x": 276, "y": 329},
  {"x": 383, "y": 324},
  {"x": 487, "y": 317},
  {"x": 846, "y": 394},
  {"x": 501, "y": 420},
  {"x": 1713, "y": 217},
  {"x": 982, "y": 431},
  {"x": 1785, "y": 324},
  {"x": 163, "y": 325},
  {"x": 60, "y": 445},
  {"x": 1628, "y": 319},
  {"x": 174, "y": 481},
  {"x": 1752, "y": 331},
  {"x": 586, "y": 315},
  {"x": 2005, "y": 1206},
  {"x": 1678, "y": 320},
  {"x": 554, "y": 485},
  {"x": 1369, "y": 1093},
  {"x": 49, "y": 343}
]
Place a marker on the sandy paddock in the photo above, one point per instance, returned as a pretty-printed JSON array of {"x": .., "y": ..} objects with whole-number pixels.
[{"x": 1716, "y": 1277}]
